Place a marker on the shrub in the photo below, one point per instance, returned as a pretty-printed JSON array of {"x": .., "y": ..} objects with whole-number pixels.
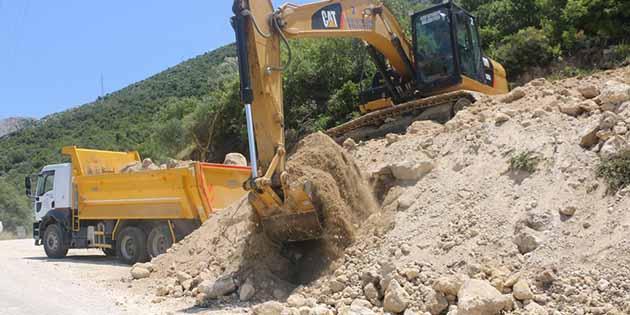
[
  {"x": 616, "y": 171},
  {"x": 524, "y": 161},
  {"x": 530, "y": 47}
]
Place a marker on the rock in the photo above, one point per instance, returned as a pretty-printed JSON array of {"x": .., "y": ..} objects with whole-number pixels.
[
  {"x": 521, "y": 290},
  {"x": 246, "y": 291},
  {"x": 526, "y": 241},
  {"x": 500, "y": 118},
  {"x": 539, "y": 220},
  {"x": 589, "y": 106},
  {"x": 269, "y": 308},
  {"x": 336, "y": 286},
  {"x": 411, "y": 273},
  {"x": 396, "y": 298},
  {"x": 615, "y": 93},
  {"x": 620, "y": 130},
  {"x": 162, "y": 291},
  {"x": 478, "y": 297},
  {"x": 425, "y": 127},
  {"x": 392, "y": 138},
  {"x": 411, "y": 170},
  {"x": 513, "y": 96},
  {"x": 235, "y": 159},
  {"x": 140, "y": 273},
  {"x": 182, "y": 276},
  {"x": 568, "y": 211},
  {"x": 349, "y": 144},
  {"x": 355, "y": 310},
  {"x": 571, "y": 109},
  {"x": 588, "y": 91},
  {"x": 372, "y": 294},
  {"x": 221, "y": 286},
  {"x": 187, "y": 284},
  {"x": 603, "y": 285},
  {"x": 588, "y": 135},
  {"x": 406, "y": 201},
  {"x": 535, "y": 309},
  {"x": 612, "y": 147},
  {"x": 296, "y": 300},
  {"x": 436, "y": 302},
  {"x": 449, "y": 285},
  {"x": 608, "y": 120}
]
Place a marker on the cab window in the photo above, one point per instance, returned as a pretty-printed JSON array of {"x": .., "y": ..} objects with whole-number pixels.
[
  {"x": 468, "y": 46},
  {"x": 434, "y": 49},
  {"x": 45, "y": 183}
]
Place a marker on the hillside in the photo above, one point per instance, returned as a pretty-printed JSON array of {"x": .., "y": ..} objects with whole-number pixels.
[
  {"x": 192, "y": 110},
  {"x": 13, "y": 124}
]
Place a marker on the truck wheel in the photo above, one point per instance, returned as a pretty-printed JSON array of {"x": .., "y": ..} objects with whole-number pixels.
[
  {"x": 53, "y": 242},
  {"x": 159, "y": 240},
  {"x": 131, "y": 245}
]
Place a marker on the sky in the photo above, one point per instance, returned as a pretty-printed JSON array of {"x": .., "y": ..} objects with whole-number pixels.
[{"x": 53, "y": 54}]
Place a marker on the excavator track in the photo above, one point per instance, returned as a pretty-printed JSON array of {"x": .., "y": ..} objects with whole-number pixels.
[{"x": 397, "y": 118}]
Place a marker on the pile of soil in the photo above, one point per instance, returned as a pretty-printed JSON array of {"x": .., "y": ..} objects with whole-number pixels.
[{"x": 461, "y": 229}]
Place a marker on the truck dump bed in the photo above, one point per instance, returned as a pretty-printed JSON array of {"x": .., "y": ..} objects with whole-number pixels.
[{"x": 101, "y": 192}]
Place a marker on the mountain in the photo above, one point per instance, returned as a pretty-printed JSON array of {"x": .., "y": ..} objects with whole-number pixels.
[
  {"x": 122, "y": 120},
  {"x": 13, "y": 124}
]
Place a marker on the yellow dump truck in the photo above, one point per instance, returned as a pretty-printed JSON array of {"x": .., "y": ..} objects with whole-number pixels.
[{"x": 90, "y": 203}]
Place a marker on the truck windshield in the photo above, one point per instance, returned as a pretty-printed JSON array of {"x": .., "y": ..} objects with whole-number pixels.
[
  {"x": 45, "y": 183},
  {"x": 434, "y": 49}
]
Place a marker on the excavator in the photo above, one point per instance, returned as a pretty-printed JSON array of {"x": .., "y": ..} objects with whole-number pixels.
[{"x": 432, "y": 76}]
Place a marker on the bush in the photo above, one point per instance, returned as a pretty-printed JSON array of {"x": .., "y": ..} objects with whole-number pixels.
[
  {"x": 524, "y": 161},
  {"x": 528, "y": 48},
  {"x": 616, "y": 171}
]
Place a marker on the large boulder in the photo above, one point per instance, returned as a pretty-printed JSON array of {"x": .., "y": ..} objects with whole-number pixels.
[
  {"x": 221, "y": 286},
  {"x": 396, "y": 298},
  {"x": 613, "y": 146},
  {"x": 588, "y": 91},
  {"x": 235, "y": 159},
  {"x": 269, "y": 308},
  {"x": 410, "y": 170},
  {"x": 588, "y": 134},
  {"x": 527, "y": 241},
  {"x": 140, "y": 272},
  {"x": 449, "y": 285},
  {"x": 514, "y": 96},
  {"x": 615, "y": 93},
  {"x": 478, "y": 297},
  {"x": 425, "y": 127}
]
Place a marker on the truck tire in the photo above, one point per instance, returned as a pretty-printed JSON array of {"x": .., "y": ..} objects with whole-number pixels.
[
  {"x": 54, "y": 242},
  {"x": 159, "y": 240},
  {"x": 131, "y": 245}
]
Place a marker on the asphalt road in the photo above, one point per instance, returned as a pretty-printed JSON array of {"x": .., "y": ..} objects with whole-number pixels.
[{"x": 85, "y": 281}]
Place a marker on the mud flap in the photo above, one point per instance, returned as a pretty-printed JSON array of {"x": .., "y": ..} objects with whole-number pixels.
[{"x": 293, "y": 227}]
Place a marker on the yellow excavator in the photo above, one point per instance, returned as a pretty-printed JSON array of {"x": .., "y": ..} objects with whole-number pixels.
[{"x": 430, "y": 77}]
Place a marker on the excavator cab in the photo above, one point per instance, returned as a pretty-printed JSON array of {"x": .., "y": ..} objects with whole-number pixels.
[{"x": 446, "y": 48}]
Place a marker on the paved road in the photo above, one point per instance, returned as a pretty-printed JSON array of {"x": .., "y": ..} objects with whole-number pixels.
[{"x": 85, "y": 281}]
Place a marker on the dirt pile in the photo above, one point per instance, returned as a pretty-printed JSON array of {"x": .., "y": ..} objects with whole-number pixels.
[
  {"x": 498, "y": 210},
  {"x": 339, "y": 189}
]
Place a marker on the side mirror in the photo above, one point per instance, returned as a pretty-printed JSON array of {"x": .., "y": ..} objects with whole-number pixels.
[{"x": 27, "y": 186}]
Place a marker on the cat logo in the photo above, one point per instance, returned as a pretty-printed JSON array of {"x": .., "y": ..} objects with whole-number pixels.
[{"x": 329, "y": 17}]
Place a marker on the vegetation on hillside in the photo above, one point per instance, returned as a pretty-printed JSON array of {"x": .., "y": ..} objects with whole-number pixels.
[{"x": 193, "y": 111}]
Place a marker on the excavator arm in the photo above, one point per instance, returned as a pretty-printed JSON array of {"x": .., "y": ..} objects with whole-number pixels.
[{"x": 286, "y": 209}]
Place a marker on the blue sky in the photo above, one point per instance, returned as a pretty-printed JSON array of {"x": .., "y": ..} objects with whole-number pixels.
[{"x": 53, "y": 53}]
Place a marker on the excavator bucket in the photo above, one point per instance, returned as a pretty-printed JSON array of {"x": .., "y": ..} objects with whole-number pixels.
[
  {"x": 295, "y": 219},
  {"x": 293, "y": 227}
]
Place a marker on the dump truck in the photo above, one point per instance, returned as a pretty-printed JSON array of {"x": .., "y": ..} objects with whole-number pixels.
[{"x": 90, "y": 203}]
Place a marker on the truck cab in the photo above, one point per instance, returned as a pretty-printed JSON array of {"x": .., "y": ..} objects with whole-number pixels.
[{"x": 52, "y": 190}]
